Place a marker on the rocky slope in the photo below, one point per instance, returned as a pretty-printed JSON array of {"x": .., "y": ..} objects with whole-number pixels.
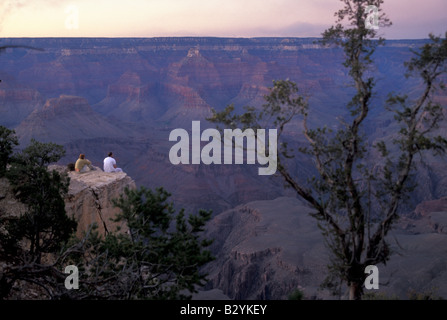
[
  {"x": 17, "y": 102},
  {"x": 268, "y": 249},
  {"x": 65, "y": 119}
]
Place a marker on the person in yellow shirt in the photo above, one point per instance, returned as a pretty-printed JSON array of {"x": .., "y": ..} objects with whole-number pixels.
[{"x": 82, "y": 164}]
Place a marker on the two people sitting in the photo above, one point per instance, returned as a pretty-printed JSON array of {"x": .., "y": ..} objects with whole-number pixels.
[{"x": 85, "y": 165}]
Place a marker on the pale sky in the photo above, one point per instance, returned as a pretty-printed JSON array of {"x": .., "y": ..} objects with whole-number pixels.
[{"x": 221, "y": 18}]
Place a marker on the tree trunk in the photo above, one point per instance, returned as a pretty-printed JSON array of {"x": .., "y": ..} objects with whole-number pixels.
[{"x": 355, "y": 291}]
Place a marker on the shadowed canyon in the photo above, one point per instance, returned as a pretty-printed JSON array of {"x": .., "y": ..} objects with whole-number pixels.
[{"x": 95, "y": 95}]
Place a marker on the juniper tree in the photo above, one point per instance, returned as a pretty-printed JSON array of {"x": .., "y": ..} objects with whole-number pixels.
[
  {"x": 356, "y": 202},
  {"x": 31, "y": 246},
  {"x": 7, "y": 142},
  {"x": 157, "y": 255}
]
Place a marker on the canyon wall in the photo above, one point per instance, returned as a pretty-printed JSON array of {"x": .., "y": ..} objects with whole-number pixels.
[
  {"x": 268, "y": 249},
  {"x": 96, "y": 95}
]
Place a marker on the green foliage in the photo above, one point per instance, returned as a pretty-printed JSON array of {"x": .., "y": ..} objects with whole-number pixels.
[
  {"x": 379, "y": 296},
  {"x": 358, "y": 42},
  {"x": 7, "y": 142},
  {"x": 282, "y": 104},
  {"x": 297, "y": 295},
  {"x": 158, "y": 256},
  {"x": 32, "y": 246},
  {"x": 45, "y": 223},
  {"x": 429, "y": 294}
]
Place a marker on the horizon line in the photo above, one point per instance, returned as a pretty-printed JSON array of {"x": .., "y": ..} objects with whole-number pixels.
[{"x": 182, "y": 37}]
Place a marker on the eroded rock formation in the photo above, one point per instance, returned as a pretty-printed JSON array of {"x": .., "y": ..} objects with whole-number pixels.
[
  {"x": 90, "y": 197},
  {"x": 267, "y": 249}
]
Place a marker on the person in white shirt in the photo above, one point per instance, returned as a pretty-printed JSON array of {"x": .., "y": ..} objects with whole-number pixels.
[{"x": 110, "y": 164}]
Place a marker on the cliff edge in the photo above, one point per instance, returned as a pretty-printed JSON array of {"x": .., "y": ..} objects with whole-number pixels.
[{"x": 90, "y": 197}]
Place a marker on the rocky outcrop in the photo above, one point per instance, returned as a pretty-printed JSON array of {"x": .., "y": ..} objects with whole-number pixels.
[
  {"x": 90, "y": 196},
  {"x": 425, "y": 208},
  {"x": 428, "y": 217}
]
